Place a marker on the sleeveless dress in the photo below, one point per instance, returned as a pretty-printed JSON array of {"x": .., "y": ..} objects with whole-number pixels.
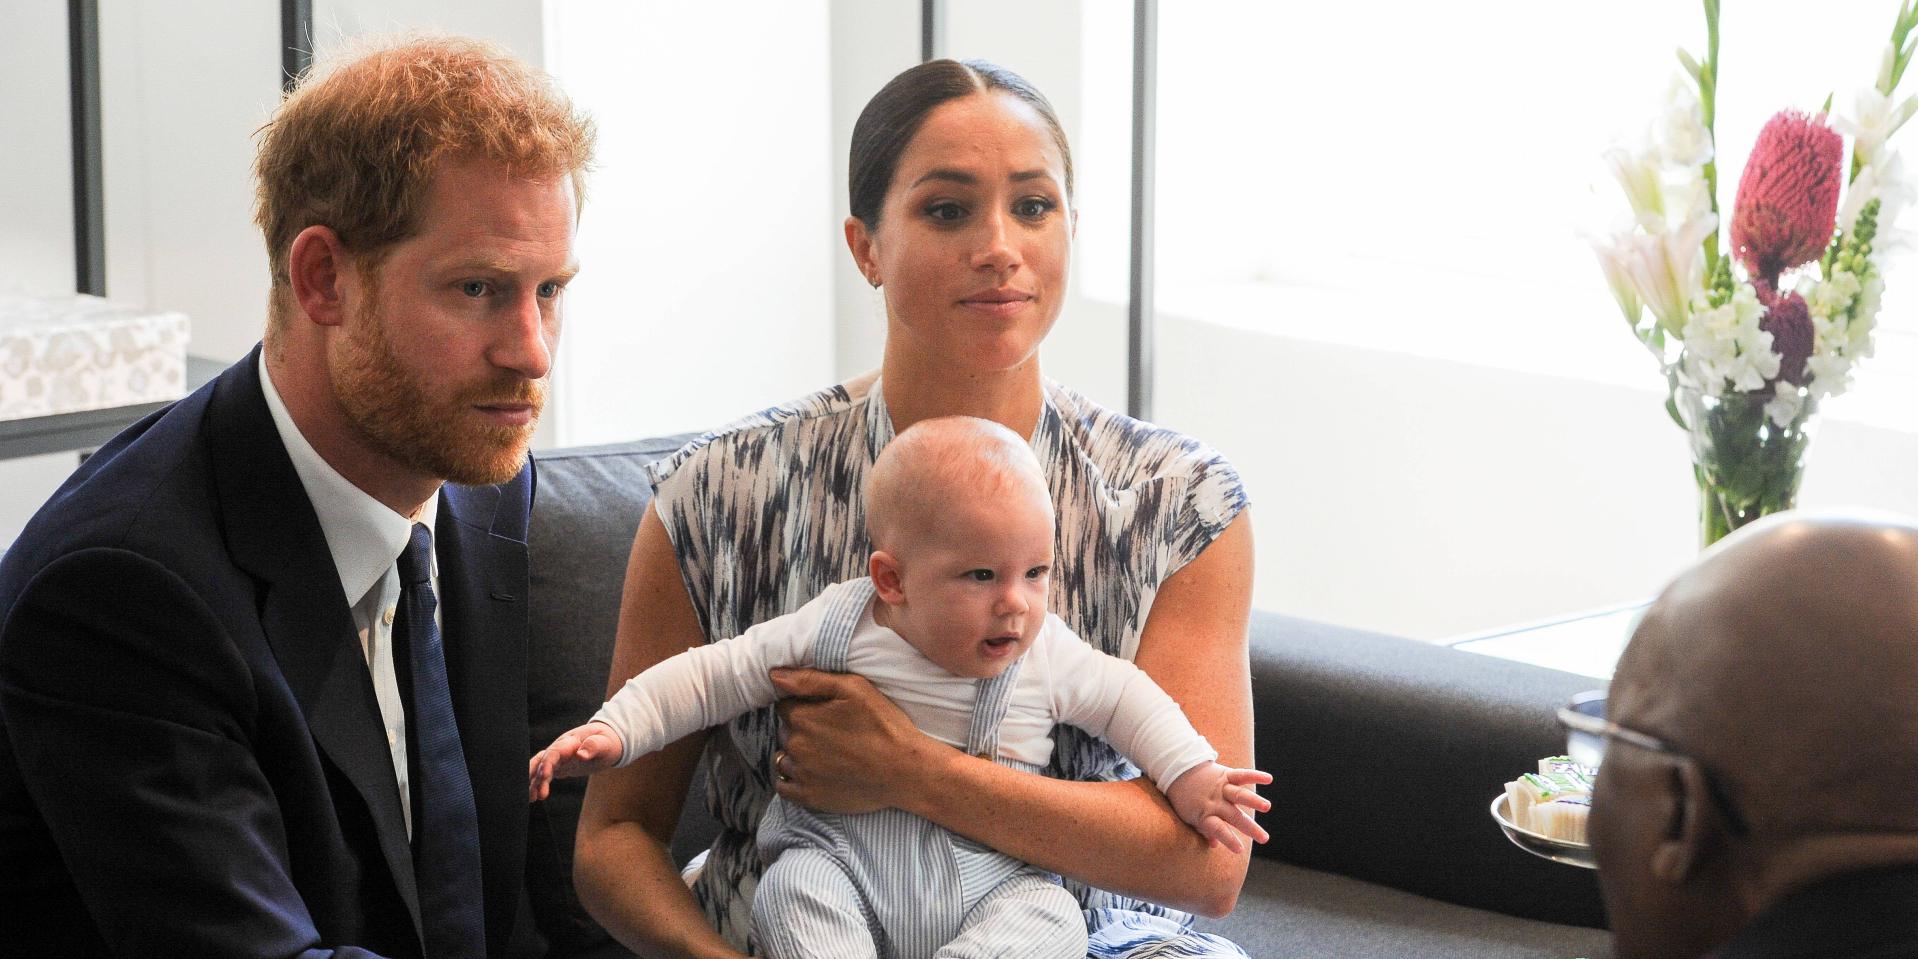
[{"x": 767, "y": 512}]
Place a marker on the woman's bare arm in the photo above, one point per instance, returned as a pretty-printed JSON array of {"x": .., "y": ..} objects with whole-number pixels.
[
  {"x": 853, "y": 750},
  {"x": 622, "y": 866}
]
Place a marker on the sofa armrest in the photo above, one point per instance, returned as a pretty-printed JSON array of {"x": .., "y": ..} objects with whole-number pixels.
[{"x": 1386, "y": 752}]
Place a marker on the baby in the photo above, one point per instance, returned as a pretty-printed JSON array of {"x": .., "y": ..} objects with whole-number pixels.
[{"x": 952, "y": 626}]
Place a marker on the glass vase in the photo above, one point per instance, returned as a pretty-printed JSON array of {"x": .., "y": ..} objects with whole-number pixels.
[{"x": 1746, "y": 465}]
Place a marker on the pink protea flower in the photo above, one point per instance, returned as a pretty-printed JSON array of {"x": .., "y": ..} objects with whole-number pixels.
[
  {"x": 1788, "y": 195},
  {"x": 1788, "y": 320}
]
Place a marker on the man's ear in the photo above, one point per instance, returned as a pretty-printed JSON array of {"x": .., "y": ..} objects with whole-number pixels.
[
  {"x": 884, "y": 570},
  {"x": 1695, "y": 829},
  {"x": 318, "y": 268}
]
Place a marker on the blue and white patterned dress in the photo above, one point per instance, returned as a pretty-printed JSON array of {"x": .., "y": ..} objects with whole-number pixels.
[{"x": 766, "y": 512}]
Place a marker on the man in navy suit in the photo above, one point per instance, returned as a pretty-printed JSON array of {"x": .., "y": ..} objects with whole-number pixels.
[{"x": 262, "y": 667}]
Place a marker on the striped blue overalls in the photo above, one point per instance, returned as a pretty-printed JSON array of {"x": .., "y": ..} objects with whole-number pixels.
[{"x": 892, "y": 885}]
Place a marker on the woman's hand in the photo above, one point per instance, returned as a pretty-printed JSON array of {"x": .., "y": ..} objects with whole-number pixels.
[
  {"x": 847, "y": 748},
  {"x": 1125, "y": 836}
]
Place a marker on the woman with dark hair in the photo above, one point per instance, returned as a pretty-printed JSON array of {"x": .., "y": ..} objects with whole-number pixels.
[{"x": 961, "y": 188}]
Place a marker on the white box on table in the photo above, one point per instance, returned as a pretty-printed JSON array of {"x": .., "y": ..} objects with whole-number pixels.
[{"x": 65, "y": 354}]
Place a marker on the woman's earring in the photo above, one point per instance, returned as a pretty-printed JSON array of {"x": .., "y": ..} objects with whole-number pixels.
[{"x": 874, "y": 281}]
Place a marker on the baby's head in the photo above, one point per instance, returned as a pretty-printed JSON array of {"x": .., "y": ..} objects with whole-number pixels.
[{"x": 961, "y": 527}]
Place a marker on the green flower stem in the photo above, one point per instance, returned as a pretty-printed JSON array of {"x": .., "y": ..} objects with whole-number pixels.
[
  {"x": 1746, "y": 466},
  {"x": 1900, "y": 29},
  {"x": 1901, "y": 58},
  {"x": 1708, "y": 100}
]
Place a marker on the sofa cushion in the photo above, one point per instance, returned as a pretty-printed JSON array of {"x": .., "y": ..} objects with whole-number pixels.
[
  {"x": 1386, "y": 754},
  {"x": 1291, "y": 911},
  {"x": 586, "y": 509}
]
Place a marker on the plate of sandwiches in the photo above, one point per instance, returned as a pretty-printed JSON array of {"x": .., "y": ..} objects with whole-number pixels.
[{"x": 1544, "y": 813}]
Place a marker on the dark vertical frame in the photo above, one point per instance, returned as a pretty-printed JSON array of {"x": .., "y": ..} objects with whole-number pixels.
[
  {"x": 296, "y": 41},
  {"x": 89, "y": 183},
  {"x": 932, "y": 29},
  {"x": 1145, "y": 124}
]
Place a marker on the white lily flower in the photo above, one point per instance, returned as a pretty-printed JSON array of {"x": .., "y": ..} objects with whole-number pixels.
[
  {"x": 1680, "y": 133},
  {"x": 1611, "y": 259},
  {"x": 1872, "y": 121},
  {"x": 1786, "y": 403},
  {"x": 1668, "y": 269},
  {"x": 1685, "y": 194},
  {"x": 1637, "y": 173}
]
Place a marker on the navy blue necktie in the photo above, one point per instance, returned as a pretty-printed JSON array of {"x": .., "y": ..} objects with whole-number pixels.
[{"x": 446, "y": 855}]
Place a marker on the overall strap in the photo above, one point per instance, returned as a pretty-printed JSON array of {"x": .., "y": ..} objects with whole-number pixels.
[
  {"x": 991, "y": 697},
  {"x": 842, "y": 617}
]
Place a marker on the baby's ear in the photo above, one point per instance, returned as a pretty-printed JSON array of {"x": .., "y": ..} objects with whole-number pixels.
[{"x": 884, "y": 570}]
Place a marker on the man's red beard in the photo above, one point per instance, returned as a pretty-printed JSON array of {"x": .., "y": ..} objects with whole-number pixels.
[{"x": 389, "y": 405}]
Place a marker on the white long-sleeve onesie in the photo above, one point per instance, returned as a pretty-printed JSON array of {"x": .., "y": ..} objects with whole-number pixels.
[{"x": 1062, "y": 680}]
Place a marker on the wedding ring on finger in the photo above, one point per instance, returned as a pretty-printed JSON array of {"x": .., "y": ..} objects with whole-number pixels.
[{"x": 779, "y": 764}]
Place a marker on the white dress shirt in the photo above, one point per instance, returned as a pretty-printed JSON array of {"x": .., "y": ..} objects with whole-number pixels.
[{"x": 366, "y": 539}]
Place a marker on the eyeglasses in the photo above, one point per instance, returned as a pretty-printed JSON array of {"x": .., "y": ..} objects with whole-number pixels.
[{"x": 1587, "y": 732}]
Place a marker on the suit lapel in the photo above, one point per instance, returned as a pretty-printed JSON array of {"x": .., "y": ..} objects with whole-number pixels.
[
  {"x": 483, "y": 582},
  {"x": 274, "y": 534}
]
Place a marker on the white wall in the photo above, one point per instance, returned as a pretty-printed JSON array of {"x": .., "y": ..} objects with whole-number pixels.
[
  {"x": 707, "y": 243},
  {"x": 515, "y": 24},
  {"x": 1434, "y": 498},
  {"x": 182, "y": 85},
  {"x": 36, "y": 196},
  {"x": 36, "y": 204},
  {"x": 721, "y": 170},
  {"x": 872, "y": 41},
  {"x": 1423, "y": 496}
]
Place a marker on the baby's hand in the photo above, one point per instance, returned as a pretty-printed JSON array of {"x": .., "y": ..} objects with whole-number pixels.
[
  {"x": 1219, "y": 801},
  {"x": 577, "y": 752}
]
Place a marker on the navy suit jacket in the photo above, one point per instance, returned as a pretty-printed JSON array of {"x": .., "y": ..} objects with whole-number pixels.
[{"x": 191, "y": 757}]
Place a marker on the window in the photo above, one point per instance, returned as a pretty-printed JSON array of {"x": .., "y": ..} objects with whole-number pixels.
[{"x": 1441, "y": 164}]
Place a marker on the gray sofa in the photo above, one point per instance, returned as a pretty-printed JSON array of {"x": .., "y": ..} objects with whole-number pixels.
[{"x": 1385, "y": 753}]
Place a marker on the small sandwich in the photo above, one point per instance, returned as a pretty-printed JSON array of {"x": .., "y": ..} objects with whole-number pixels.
[{"x": 1553, "y": 802}]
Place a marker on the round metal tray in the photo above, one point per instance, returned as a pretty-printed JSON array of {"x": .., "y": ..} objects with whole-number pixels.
[{"x": 1557, "y": 850}]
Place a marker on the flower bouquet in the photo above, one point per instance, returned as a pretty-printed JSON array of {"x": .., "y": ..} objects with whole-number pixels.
[{"x": 1750, "y": 339}]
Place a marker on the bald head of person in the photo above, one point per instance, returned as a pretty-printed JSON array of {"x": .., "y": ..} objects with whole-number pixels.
[
  {"x": 1781, "y": 673},
  {"x": 961, "y": 527},
  {"x": 937, "y": 466}
]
